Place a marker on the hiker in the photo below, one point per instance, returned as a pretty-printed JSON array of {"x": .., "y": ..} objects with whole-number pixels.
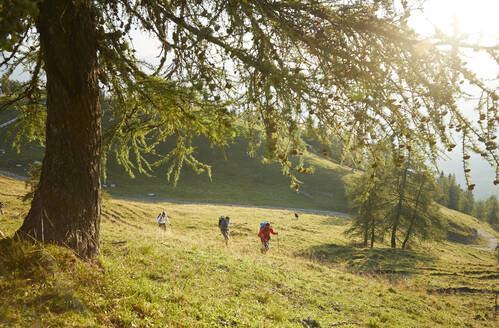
[
  {"x": 1, "y": 208},
  {"x": 296, "y": 215},
  {"x": 264, "y": 234},
  {"x": 162, "y": 220},
  {"x": 223, "y": 224}
]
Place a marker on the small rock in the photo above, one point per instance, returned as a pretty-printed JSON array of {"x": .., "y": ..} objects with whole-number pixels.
[
  {"x": 19, "y": 165},
  {"x": 309, "y": 323},
  {"x": 104, "y": 186},
  {"x": 478, "y": 317},
  {"x": 151, "y": 194},
  {"x": 112, "y": 185}
]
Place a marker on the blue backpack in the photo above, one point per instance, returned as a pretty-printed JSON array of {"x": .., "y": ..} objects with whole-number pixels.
[{"x": 262, "y": 225}]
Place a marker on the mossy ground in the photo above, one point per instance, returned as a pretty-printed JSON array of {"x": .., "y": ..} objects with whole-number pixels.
[{"x": 186, "y": 277}]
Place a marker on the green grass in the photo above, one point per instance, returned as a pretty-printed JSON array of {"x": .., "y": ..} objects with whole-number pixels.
[
  {"x": 186, "y": 277},
  {"x": 237, "y": 178}
]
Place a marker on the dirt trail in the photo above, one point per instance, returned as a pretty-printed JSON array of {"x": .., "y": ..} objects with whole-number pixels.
[
  {"x": 176, "y": 201},
  {"x": 8, "y": 123},
  {"x": 13, "y": 175},
  {"x": 493, "y": 241}
]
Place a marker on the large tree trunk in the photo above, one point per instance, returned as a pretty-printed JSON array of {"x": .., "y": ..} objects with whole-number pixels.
[
  {"x": 366, "y": 235},
  {"x": 66, "y": 206},
  {"x": 373, "y": 218},
  {"x": 373, "y": 229}
]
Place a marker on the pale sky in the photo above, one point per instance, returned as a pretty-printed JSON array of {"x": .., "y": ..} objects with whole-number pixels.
[
  {"x": 473, "y": 17},
  {"x": 479, "y": 20}
]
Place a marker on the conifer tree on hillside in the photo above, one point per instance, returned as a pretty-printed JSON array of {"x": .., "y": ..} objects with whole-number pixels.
[
  {"x": 398, "y": 201},
  {"x": 480, "y": 210},
  {"x": 399, "y": 194},
  {"x": 492, "y": 210},
  {"x": 423, "y": 218},
  {"x": 449, "y": 194},
  {"x": 442, "y": 190},
  {"x": 353, "y": 68},
  {"x": 411, "y": 188},
  {"x": 368, "y": 201},
  {"x": 454, "y": 192},
  {"x": 466, "y": 202}
]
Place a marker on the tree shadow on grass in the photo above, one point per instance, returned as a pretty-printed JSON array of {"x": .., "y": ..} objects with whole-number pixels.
[
  {"x": 25, "y": 265},
  {"x": 367, "y": 260}
]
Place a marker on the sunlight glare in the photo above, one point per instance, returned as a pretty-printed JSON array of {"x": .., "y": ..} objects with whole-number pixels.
[{"x": 478, "y": 19}]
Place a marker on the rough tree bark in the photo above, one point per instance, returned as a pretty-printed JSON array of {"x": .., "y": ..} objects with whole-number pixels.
[
  {"x": 66, "y": 206},
  {"x": 373, "y": 229},
  {"x": 366, "y": 236},
  {"x": 373, "y": 221}
]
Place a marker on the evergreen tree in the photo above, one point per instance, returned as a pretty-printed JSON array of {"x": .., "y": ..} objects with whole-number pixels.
[
  {"x": 454, "y": 192},
  {"x": 351, "y": 69},
  {"x": 394, "y": 199},
  {"x": 368, "y": 203},
  {"x": 400, "y": 194},
  {"x": 411, "y": 187},
  {"x": 423, "y": 218},
  {"x": 480, "y": 210},
  {"x": 466, "y": 202},
  {"x": 492, "y": 210},
  {"x": 442, "y": 190}
]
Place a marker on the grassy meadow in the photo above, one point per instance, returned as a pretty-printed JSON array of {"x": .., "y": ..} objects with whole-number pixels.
[
  {"x": 312, "y": 276},
  {"x": 237, "y": 178}
]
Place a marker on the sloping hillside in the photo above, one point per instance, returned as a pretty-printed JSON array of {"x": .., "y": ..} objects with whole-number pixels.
[
  {"x": 186, "y": 277},
  {"x": 237, "y": 178},
  {"x": 465, "y": 229}
]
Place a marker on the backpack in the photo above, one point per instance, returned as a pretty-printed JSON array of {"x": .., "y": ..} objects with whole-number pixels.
[
  {"x": 262, "y": 225},
  {"x": 220, "y": 220}
]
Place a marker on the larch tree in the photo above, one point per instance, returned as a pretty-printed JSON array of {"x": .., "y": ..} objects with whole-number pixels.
[
  {"x": 353, "y": 69},
  {"x": 368, "y": 201},
  {"x": 423, "y": 219},
  {"x": 400, "y": 194}
]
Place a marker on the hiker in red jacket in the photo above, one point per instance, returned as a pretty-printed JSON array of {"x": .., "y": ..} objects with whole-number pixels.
[{"x": 264, "y": 235}]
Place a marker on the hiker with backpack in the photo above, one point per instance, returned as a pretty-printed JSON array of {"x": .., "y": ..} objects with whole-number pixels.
[
  {"x": 162, "y": 220},
  {"x": 223, "y": 224},
  {"x": 264, "y": 234}
]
